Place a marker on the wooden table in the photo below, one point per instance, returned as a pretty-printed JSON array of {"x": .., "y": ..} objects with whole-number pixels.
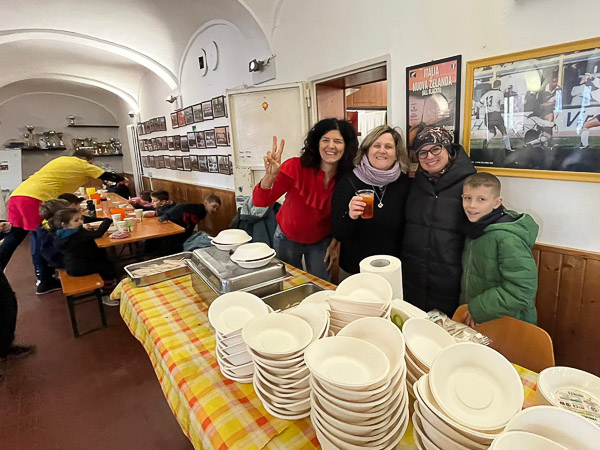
[{"x": 148, "y": 228}]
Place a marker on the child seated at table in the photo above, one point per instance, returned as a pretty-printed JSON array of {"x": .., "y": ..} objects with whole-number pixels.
[
  {"x": 46, "y": 235},
  {"x": 144, "y": 201},
  {"x": 160, "y": 202},
  {"x": 81, "y": 254},
  {"x": 75, "y": 202},
  {"x": 120, "y": 188},
  {"x": 499, "y": 273}
]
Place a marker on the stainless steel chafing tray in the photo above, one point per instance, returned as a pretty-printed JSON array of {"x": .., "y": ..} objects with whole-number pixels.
[
  {"x": 160, "y": 276},
  {"x": 291, "y": 297},
  {"x": 213, "y": 267}
]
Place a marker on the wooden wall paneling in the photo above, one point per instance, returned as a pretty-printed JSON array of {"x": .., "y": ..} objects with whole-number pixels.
[
  {"x": 548, "y": 286},
  {"x": 589, "y": 338}
]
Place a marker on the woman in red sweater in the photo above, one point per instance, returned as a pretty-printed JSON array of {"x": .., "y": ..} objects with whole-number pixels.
[{"x": 304, "y": 220}]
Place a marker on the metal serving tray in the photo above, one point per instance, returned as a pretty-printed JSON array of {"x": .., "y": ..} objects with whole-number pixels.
[
  {"x": 158, "y": 277},
  {"x": 215, "y": 268},
  {"x": 291, "y": 297}
]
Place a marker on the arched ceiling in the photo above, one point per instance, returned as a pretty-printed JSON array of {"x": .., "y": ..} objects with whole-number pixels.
[{"x": 113, "y": 44}]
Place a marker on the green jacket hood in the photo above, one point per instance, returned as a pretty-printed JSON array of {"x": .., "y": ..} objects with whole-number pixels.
[{"x": 523, "y": 226}]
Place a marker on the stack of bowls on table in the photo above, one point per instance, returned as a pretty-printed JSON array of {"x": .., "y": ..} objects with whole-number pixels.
[
  {"x": 572, "y": 389},
  {"x": 359, "y": 396},
  {"x": 277, "y": 343},
  {"x": 254, "y": 255},
  {"x": 466, "y": 400},
  {"x": 230, "y": 239},
  {"x": 424, "y": 340},
  {"x": 359, "y": 295},
  {"x": 228, "y": 314},
  {"x": 548, "y": 427}
]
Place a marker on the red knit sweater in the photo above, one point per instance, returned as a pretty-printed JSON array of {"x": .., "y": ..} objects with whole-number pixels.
[{"x": 305, "y": 216}]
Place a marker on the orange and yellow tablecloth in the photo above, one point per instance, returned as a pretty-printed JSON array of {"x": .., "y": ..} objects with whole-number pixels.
[{"x": 171, "y": 321}]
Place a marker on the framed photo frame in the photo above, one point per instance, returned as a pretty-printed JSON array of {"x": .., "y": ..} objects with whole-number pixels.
[
  {"x": 433, "y": 99},
  {"x": 163, "y": 143},
  {"x": 536, "y": 113},
  {"x": 191, "y": 137},
  {"x": 167, "y": 160},
  {"x": 160, "y": 162},
  {"x": 170, "y": 143},
  {"x": 162, "y": 123},
  {"x": 187, "y": 163},
  {"x": 223, "y": 163},
  {"x": 155, "y": 145},
  {"x": 174, "y": 122},
  {"x": 179, "y": 162},
  {"x": 207, "y": 112},
  {"x": 151, "y": 161},
  {"x": 213, "y": 166},
  {"x": 194, "y": 163},
  {"x": 197, "y": 112},
  {"x": 218, "y": 106},
  {"x": 209, "y": 136},
  {"x": 228, "y": 136},
  {"x": 173, "y": 163},
  {"x": 184, "y": 144},
  {"x": 221, "y": 136},
  {"x": 200, "y": 139},
  {"x": 189, "y": 115},
  {"x": 177, "y": 142},
  {"x": 181, "y": 118},
  {"x": 203, "y": 163}
]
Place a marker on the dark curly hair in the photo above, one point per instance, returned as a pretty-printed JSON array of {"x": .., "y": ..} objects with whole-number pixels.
[{"x": 311, "y": 157}]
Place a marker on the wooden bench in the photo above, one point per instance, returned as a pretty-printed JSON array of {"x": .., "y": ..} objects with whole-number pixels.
[{"x": 79, "y": 288}]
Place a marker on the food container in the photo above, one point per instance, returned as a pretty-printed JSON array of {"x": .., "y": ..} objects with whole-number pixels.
[
  {"x": 213, "y": 267},
  {"x": 291, "y": 297},
  {"x": 160, "y": 276}
]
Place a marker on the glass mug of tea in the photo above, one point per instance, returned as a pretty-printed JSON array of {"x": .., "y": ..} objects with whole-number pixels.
[{"x": 368, "y": 196}]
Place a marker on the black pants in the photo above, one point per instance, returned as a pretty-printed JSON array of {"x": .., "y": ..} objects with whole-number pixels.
[
  {"x": 12, "y": 240},
  {"x": 8, "y": 315}
]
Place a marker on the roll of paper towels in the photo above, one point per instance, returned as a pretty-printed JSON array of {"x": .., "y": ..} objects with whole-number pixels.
[{"x": 389, "y": 268}]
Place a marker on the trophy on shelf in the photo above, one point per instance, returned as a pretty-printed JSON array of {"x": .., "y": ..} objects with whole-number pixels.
[
  {"x": 30, "y": 136},
  {"x": 51, "y": 140},
  {"x": 61, "y": 143},
  {"x": 71, "y": 120}
]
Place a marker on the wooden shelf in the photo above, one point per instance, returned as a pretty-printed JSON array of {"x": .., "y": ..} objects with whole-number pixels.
[
  {"x": 114, "y": 154},
  {"x": 92, "y": 126},
  {"x": 43, "y": 149}
]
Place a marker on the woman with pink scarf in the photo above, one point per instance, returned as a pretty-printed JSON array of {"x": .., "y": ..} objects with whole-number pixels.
[{"x": 381, "y": 166}]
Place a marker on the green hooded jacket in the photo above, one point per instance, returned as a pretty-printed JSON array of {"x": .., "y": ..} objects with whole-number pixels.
[{"x": 499, "y": 273}]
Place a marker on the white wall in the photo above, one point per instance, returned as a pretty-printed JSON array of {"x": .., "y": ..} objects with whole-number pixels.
[
  {"x": 315, "y": 37},
  {"x": 231, "y": 71}
]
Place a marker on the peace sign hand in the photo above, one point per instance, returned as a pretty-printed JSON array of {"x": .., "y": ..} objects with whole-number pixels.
[{"x": 272, "y": 162}]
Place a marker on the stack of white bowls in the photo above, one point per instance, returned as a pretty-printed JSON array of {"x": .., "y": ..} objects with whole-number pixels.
[
  {"x": 230, "y": 239},
  {"x": 228, "y": 314},
  {"x": 359, "y": 396},
  {"x": 359, "y": 295},
  {"x": 277, "y": 343},
  {"x": 548, "y": 427},
  {"x": 424, "y": 340},
  {"x": 467, "y": 399},
  {"x": 254, "y": 255}
]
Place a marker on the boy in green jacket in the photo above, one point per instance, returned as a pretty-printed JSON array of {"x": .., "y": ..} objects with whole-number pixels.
[{"x": 499, "y": 274}]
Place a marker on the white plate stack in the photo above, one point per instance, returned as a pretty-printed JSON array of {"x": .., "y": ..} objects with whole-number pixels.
[
  {"x": 424, "y": 340},
  {"x": 359, "y": 396},
  {"x": 277, "y": 343},
  {"x": 467, "y": 399},
  {"x": 359, "y": 295},
  {"x": 228, "y": 314},
  {"x": 230, "y": 239}
]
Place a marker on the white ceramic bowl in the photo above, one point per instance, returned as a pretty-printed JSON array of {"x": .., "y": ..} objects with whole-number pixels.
[
  {"x": 559, "y": 425},
  {"x": 252, "y": 252},
  {"x": 235, "y": 359},
  {"x": 230, "y": 312},
  {"x": 347, "y": 362},
  {"x": 521, "y": 439},
  {"x": 313, "y": 314},
  {"x": 383, "y": 334},
  {"x": 425, "y": 339},
  {"x": 277, "y": 335},
  {"x": 297, "y": 407},
  {"x": 292, "y": 396},
  {"x": 413, "y": 368},
  {"x": 232, "y": 236},
  {"x": 284, "y": 413},
  {"x": 366, "y": 287},
  {"x": 476, "y": 385},
  {"x": 319, "y": 297},
  {"x": 283, "y": 377},
  {"x": 254, "y": 264},
  {"x": 280, "y": 363},
  {"x": 572, "y": 389},
  {"x": 418, "y": 426},
  {"x": 436, "y": 436},
  {"x": 283, "y": 387}
]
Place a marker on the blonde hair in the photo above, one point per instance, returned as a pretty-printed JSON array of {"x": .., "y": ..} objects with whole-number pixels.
[
  {"x": 49, "y": 207},
  {"x": 375, "y": 134},
  {"x": 484, "y": 179}
]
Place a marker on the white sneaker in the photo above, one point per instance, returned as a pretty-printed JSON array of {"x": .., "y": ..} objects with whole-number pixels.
[{"x": 108, "y": 302}]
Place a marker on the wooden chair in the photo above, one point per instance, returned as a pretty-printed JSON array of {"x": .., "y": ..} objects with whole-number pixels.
[
  {"x": 520, "y": 342},
  {"x": 79, "y": 288}
]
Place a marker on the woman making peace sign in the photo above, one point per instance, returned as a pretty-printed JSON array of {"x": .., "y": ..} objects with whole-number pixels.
[{"x": 304, "y": 220}]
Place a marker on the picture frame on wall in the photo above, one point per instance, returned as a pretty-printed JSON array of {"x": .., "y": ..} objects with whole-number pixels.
[
  {"x": 228, "y": 136},
  {"x": 191, "y": 137},
  {"x": 189, "y": 115},
  {"x": 174, "y": 123},
  {"x": 194, "y": 163},
  {"x": 433, "y": 99},
  {"x": 162, "y": 123},
  {"x": 151, "y": 162},
  {"x": 167, "y": 160},
  {"x": 184, "y": 144},
  {"x": 170, "y": 143},
  {"x": 161, "y": 162},
  {"x": 223, "y": 163},
  {"x": 203, "y": 163},
  {"x": 536, "y": 113},
  {"x": 213, "y": 166},
  {"x": 187, "y": 164},
  {"x": 209, "y": 136},
  {"x": 207, "y": 112},
  {"x": 179, "y": 162},
  {"x": 155, "y": 145},
  {"x": 197, "y": 112},
  {"x": 163, "y": 143},
  {"x": 200, "y": 139},
  {"x": 221, "y": 136},
  {"x": 177, "y": 142},
  {"x": 181, "y": 118},
  {"x": 218, "y": 106},
  {"x": 173, "y": 163}
]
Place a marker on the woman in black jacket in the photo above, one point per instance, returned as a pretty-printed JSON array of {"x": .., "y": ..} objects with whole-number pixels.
[
  {"x": 433, "y": 233},
  {"x": 382, "y": 166}
]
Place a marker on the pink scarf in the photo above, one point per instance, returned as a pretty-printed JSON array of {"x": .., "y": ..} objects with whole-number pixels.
[{"x": 368, "y": 174}]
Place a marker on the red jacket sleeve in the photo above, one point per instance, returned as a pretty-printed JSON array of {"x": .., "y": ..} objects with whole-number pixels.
[{"x": 266, "y": 197}]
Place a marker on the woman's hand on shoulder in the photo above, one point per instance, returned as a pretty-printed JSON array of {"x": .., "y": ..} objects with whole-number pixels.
[
  {"x": 356, "y": 207},
  {"x": 272, "y": 162}
]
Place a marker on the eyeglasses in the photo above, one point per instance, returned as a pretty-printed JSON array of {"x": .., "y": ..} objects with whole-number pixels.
[{"x": 422, "y": 154}]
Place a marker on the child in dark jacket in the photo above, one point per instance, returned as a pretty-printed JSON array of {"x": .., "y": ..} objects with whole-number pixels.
[
  {"x": 46, "y": 237},
  {"x": 81, "y": 254}
]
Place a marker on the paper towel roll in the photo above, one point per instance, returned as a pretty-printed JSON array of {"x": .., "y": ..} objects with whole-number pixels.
[{"x": 389, "y": 268}]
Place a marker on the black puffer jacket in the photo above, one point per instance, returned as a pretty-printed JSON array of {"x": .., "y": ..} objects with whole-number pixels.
[{"x": 433, "y": 238}]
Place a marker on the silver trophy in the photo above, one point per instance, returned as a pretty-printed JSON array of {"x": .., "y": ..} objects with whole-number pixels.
[
  {"x": 30, "y": 136},
  {"x": 61, "y": 143}
]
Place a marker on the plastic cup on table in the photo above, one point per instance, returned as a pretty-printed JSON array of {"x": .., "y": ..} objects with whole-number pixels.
[
  {"x": 121, "y": 225},
  {"x": 97, "y": 198},
  {"x": 139, "y": 214},
  {"x": 89, "y": 191},
  {"x": 130, "y": 223}
]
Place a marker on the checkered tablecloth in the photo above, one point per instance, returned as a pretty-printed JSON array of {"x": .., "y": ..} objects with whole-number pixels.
[{"x": 170, "y": 319}]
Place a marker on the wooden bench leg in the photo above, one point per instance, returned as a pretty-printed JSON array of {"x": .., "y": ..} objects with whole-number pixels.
[
  {"x": 70, "y": 300},
  {"x": 98, "y": 293}
]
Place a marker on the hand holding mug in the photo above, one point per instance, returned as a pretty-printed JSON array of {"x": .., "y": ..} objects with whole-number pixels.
[
  {"x": 272, "y": 162},
  {"x": 356, "y": 207}
]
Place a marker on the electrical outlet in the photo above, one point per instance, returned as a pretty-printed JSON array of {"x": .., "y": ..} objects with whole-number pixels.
[{"x": 149, "y": 174}]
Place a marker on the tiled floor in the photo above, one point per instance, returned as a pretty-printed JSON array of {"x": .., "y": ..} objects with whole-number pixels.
[{"x": 95, "y": 392}]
